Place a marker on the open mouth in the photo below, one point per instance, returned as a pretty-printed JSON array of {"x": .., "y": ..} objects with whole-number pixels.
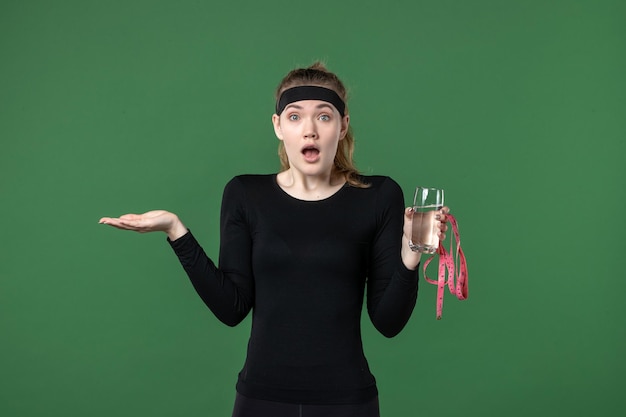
[{"x": 310, "y": 153}]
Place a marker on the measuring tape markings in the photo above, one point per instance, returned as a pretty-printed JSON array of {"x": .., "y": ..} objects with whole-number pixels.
[{"x": 448, "y": 260}]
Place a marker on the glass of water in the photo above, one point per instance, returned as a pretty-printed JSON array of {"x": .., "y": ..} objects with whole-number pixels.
[{"x": 424, "y": 237}]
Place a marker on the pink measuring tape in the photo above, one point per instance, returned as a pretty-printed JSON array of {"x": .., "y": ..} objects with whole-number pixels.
[{"x": 456, "y": 266}]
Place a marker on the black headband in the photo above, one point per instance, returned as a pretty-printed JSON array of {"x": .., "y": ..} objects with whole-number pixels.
[{"x": 310, "y": 92}]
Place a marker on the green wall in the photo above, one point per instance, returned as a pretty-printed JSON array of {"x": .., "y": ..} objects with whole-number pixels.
[{"x": 516, "y": 108}]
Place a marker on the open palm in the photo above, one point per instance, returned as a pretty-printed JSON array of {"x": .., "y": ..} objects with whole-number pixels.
[{"x": 151, "y": 221}]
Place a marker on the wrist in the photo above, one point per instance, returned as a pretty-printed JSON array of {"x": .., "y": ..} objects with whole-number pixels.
[
  {"x": 410, "y": 258},
  {"x": 176, "y": 230}
]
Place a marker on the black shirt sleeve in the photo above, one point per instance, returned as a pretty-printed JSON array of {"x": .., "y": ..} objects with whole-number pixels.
[
  {"x": 391, "y": 288},
  {"x": 228, "y": 290}
]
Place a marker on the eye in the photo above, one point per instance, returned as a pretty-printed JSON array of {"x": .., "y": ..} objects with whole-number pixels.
[
  {"x": 324, "y": 117},
  {"x": 293, "y": 117}
]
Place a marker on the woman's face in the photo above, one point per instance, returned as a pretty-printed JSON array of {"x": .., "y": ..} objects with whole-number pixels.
[{"x": 310, "y": 131}]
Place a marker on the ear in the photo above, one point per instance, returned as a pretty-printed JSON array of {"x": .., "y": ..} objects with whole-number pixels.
[
  {"x": 345, "y": 122},
  {"x": 277, "y": 130}
]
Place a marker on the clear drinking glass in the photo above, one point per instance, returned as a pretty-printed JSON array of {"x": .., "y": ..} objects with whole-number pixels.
[{"x": 424, "y": 236}]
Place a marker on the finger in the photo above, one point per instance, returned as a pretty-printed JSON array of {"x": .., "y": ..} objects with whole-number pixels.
[
  {"x": 118, "y": 225},
  {"x": 133, "y": 224},
  {"x": 122, "y": 226},
  {"x": 108, "y": 220},
  {"x": 445, "y": 209},
  {"x": 408, "y": 212},
  {"x": 130, "y": 216},
  {"x": 442, "y": 236},
  {"x": 113, "y": 221}
]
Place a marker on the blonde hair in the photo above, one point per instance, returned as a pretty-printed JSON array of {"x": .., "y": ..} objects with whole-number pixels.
[{"x": 318, "y": 75}]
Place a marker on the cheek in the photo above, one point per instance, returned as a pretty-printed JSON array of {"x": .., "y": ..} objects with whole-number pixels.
[
  {"x": 291, "y": 146},
  {"x": 336, "y": 131}
]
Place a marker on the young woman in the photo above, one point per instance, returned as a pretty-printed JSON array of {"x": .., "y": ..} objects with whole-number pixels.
[{"x": 299, "y": 248}]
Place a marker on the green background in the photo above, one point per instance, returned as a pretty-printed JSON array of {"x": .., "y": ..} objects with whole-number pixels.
[{"x": 516, "y": 108}]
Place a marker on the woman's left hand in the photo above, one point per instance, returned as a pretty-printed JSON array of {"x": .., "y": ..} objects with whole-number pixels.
[{"x": 411, "y": 258}]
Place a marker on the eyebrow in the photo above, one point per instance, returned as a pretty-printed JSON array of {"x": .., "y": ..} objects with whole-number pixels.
[{"x": 319, "y": 106}]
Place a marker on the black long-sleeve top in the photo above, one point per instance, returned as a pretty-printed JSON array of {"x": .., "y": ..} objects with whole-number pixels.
[{"x": 302, "y": 268}]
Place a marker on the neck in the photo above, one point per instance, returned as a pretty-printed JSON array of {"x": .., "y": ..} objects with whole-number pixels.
[{"x": 310, "y": 187}]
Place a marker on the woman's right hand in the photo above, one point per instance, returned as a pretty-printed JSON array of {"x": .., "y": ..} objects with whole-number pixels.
[{"x": 151, "y": 221}]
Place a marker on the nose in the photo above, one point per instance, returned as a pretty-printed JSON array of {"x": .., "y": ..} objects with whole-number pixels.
[{"x": 310, "y": 132}]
